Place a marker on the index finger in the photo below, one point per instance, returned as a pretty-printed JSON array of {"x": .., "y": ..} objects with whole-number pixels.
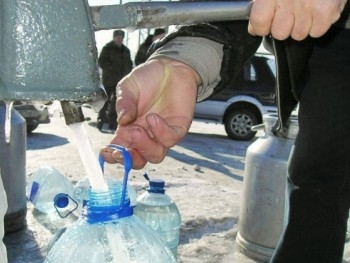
[{"x": 261, "y": 17}]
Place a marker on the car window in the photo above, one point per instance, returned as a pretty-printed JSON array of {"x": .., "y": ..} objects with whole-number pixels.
[
  {"x": 272, "y": 65},
  {"x": 249, "y": 72}
]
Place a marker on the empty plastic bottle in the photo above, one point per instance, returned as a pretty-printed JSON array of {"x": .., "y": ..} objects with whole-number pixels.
[
  {"x": 51, "y": 192},
  {"x": 3, "y": 208},
  {"x": 158, "y": 211},
  {"x": 109, "y": 232}
]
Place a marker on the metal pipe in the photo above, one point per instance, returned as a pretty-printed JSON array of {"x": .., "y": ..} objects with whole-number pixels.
[
  {"x": 135, "y": 15},
  {"x": 72, "y": 112}
]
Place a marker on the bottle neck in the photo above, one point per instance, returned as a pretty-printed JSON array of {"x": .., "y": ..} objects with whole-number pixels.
[
  {"x": 156, "y": 189},
  {"x": 107, "y": 205}
]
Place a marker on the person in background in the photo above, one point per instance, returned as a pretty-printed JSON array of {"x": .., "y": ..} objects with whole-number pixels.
[
  {"x": 141, "y": 55},
  {"x": 115, "y": 62},
  {"x": 311, "y": 41}
]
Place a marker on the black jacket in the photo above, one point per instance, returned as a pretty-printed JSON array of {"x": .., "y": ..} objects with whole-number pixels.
[
  {"x": 115, "y": 63},
  {"x": 291, "y": 59}
]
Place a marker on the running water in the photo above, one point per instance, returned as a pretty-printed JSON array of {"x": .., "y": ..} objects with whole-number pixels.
[
  {"x": 8, "y": 121},
  {"x": 90, "y": 162}
]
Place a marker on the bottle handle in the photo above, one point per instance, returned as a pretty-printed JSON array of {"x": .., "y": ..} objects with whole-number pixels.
[
  {"x": 61, "y": 201},
  {"x": 127, "y": 166}
]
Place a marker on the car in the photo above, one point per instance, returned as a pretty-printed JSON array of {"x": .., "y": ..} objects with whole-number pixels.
[
  {"x": 34, "y": 113},
  {"x": 241, "y": 106}
]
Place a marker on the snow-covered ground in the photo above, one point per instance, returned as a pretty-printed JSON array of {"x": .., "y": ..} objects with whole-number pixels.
[{"x": 203, "y": 174}]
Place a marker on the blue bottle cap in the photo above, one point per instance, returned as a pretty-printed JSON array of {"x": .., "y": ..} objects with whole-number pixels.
[
  {"x": 61, "y": 200},
  {"x": 156, "y": 186}
]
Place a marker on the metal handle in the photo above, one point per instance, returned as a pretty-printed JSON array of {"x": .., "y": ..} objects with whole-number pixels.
[{"x": 136, "y": 15}]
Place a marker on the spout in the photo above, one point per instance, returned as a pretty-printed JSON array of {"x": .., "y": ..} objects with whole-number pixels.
[{"x": 72, "y": 112}]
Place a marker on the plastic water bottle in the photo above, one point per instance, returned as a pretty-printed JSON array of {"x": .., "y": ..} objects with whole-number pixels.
[
  {"x": 51, "y": 192},
  {"x": 109, "y": 232},
  {"x": 82, "y": 187},
  {"x": 158, "y": 211},
  {"x": 3, "y": 208}
]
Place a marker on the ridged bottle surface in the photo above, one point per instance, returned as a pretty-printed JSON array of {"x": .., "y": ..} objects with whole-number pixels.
[
  {"x": 109, "y": 232},
  {"x": 157, "y": 210}
]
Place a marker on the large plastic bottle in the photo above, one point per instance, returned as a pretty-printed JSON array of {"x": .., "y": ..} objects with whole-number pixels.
[
  {"x": 3, "y": 209},
  {"x": 109, "y": 232},
  {"x": 52, "y": 193},
  {"x": 82, "y": 187},
  {"x": 159, "y": 211},
  {"x": 47, "y": 184}
]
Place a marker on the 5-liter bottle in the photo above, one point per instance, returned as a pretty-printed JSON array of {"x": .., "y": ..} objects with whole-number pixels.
[
  {"x": 52, "y": 195},
  {"x": 159, "y": 211},
  {"x": 109, "y": 232},
  {"x": 82, "y": 187},
  {"x": 43, "y": 187}
]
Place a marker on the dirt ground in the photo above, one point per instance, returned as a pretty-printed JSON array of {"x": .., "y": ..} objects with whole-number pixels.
[{"x": 203, "y": 174}]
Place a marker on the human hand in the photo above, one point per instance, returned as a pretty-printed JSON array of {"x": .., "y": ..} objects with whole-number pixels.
[
  {"x": 295, "y": 18},
  {"x": 155, "y": 106}
]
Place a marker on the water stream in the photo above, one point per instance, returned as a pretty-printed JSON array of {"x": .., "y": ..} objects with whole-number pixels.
[
  {"x": 8, "y": 114},
  {"x": 90, "y": 162}
]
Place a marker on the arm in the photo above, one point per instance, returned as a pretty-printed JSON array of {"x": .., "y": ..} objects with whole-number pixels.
[
  {"x": 155, "y": 105},
  {"x": 155, "y": 102}
]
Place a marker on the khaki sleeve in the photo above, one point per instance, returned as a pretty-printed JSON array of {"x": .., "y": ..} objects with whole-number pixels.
[{"x": 203, "y": 55}]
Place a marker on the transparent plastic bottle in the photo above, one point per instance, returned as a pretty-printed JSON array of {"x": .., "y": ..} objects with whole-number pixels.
[
  {"x": 109, "y": 232},
  {"x": 158, "y": 211},
  {"x": 82, "y": 187},
  {"x": 43, "y": 187},
  {"x": 3, "y": 208},
  {"x": 52, "y": 194}
]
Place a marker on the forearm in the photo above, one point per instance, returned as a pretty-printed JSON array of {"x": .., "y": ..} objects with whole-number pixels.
[{"x": 216, "y": 51}]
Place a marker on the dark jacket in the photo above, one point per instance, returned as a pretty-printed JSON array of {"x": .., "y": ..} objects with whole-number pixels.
[
  {"x": 291, "y": 59},
  {"x": 141, "y": 55},
  {"x": 115, "y": 63}
]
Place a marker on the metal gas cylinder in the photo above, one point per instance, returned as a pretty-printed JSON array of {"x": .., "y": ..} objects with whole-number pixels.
[
  {"x": 263, "y": 204},
  {"x": 13, "y": 173}
]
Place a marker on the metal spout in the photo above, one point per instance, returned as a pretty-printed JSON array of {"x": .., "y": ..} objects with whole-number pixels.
[
  {"x": 48, "y": 51},
  {"x": 72, "y": 112}
]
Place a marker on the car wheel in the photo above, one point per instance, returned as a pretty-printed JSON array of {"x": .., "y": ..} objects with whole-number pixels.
[
  {"x": 31, "y": 127},
  {"x": 238, "y": 124}
]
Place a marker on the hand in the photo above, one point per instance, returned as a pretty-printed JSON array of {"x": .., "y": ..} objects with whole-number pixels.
[
  {"x": 155, "y": 106},
  {"x": 295, "y": 18}
]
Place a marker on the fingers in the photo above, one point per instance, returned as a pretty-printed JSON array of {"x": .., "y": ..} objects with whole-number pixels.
[
  {"x": 293, "y": 18},
  {"x": 113, "y": 156},
  {"x": 261, "y": 17},
  {"x": 165, "y": 134},
  {"x": 147, "y": 146},
  {"x": 140, "y": 144}
]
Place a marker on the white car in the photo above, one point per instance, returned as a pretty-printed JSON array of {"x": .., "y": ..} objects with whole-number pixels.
[{"x": 241, "y": 106}]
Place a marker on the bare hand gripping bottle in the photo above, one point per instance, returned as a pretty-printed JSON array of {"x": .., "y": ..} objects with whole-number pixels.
[
  {"x": 159, "y": 211},
  {"x": 108, "y": 231}
]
